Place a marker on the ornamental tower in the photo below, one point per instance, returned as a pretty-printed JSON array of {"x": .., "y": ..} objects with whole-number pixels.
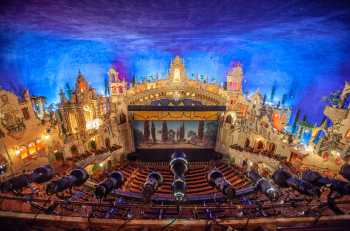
[
  {"x": 117, "y": 86},
  {"x": 119, "y": 112},
  {"x": 177, "y": 73},
  {"x": 81, "y": 85},
  {"x": 234, "y": 79},
  {"x": 235, "y": 100}
]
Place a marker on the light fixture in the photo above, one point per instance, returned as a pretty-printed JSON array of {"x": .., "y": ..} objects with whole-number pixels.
[
  {"x": 335, "y": 153},
  {"x": 93, "y": 124},
  {"x": 45, "y": 137},
  {"x": 309, "y": 149}
]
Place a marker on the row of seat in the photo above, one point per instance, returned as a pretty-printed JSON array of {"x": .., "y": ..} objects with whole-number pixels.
[{"x": 196, "y": 177}]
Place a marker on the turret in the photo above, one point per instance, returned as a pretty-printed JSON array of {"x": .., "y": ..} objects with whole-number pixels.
[
  {"x": 177, "y": 73},
  {"x": 63, "y": 98},
  {"x": 26, "y": 95},
  {"x": 235, "y": 78},
  {"x": 81, "y": 84},
  {"x": 117, "y": 86}
]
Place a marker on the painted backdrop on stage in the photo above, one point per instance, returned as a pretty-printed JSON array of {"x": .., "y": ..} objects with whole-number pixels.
[{"x": 185, "y": 134}]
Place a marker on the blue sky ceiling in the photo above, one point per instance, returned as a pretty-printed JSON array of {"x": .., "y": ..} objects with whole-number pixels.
[{"x": 303, "y": 47}]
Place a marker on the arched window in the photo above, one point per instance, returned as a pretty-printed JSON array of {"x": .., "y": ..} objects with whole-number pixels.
[
  {"x": 247, "y": 143},
  {"x": 228, "y": 119},
  {"x": 122, "y": 118},
  {"x": 108, "y": 143},
  {"x": 271, "y": 148},
  {"x": 260, "y": 145}
]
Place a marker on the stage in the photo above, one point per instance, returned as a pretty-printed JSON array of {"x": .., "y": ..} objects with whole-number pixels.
[{"x": 153, "y": 155}]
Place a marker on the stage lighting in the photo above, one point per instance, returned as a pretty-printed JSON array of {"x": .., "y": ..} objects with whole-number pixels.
[
  {"x": 315, "y": 178},
  {"x": 76, "y": 177},
  {"x": 15, "y": 183},
  {"x": 264, "y": 185},
  {"x": 179, "y": 188},
  {"x": 113, "y": 181},
  {"x": 153, "y": 181},
  {"x": 284, "y": 179},
  {"x": 38, "y": 175},
  {"x": 42, "y": 174},
  {"x": 216, "y": 179},
  {"x": 345, "y": 171},
  {"x": 178, "y": 164}
]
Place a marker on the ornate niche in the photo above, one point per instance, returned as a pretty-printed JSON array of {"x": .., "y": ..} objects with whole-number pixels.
[
  {"x": 177, "y": 73},
  {"x": 10, "y": 117}
]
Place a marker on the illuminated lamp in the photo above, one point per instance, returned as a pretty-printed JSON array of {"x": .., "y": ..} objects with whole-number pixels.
[
  {"x": 39, "y": 144},
  {"x": 86, "y": 108},
  {"x": 23, "y": 152},
  {"x": 177, "y": 75},
  {"x": 335, "y": 153},
  {"x": 309, "y": 149},
  {"x": 82, "y": 86},
  {"x": 45, "y": 137},
  {"x": 348, "y": 134},
  {"x": 93, "y": 124},
  {"x": 276, "y": 120},
  {"x": 31, "y": 148}
]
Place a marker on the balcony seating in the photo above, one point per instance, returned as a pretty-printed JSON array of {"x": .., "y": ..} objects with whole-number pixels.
[{"x": 196, "y": 177}]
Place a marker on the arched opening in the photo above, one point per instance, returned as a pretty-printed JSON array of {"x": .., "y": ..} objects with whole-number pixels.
[
  {"x": 74, "y": 150},
  {"x": 228, "y": 119},
  {"x": 271, "y": 148},
  {"x": 108, "y": 143},
  {"x": 247, "y": 143},
  {"x": 259, "y": 146},
  {"x": 122, "y": 118},
  {"x": 347, "y": 135}
]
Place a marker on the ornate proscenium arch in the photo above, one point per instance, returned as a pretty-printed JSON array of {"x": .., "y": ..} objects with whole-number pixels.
[{"x": 176, "y": 89}]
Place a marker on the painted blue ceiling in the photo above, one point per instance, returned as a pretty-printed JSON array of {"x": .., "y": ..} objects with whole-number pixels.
[{"x": 301, "y": 46}]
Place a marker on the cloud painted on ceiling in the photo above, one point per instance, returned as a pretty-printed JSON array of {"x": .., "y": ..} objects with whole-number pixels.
[{"x": 301, "y": 46}]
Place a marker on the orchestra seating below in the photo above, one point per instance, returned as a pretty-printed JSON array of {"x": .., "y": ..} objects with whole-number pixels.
[{"x": 196, "y": 177}]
